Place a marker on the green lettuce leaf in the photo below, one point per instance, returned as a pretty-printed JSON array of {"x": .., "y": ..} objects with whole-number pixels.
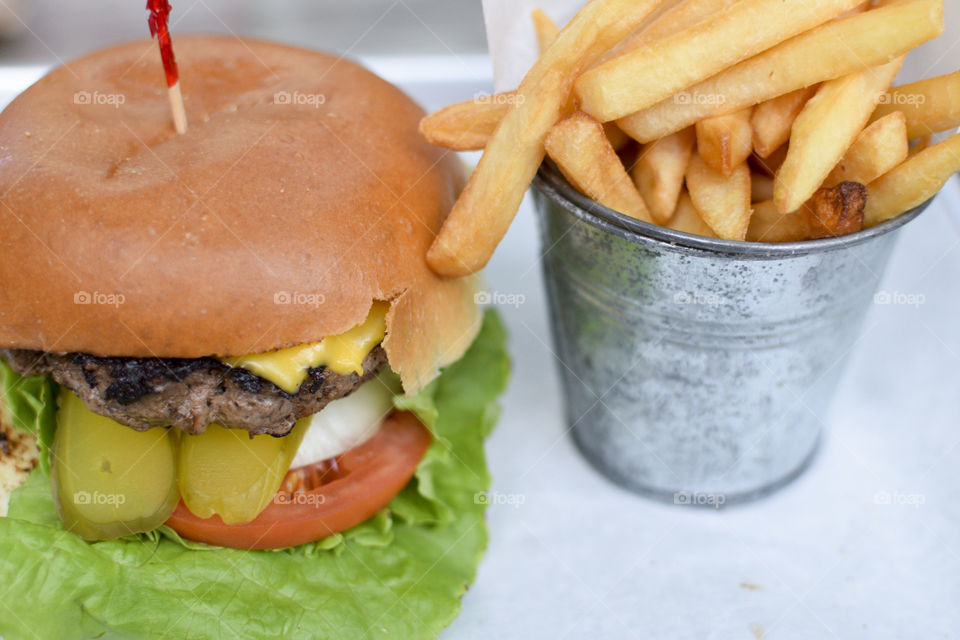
[
  {"x": 31, "y": 407},
  {"x": 399, "y": 575}
]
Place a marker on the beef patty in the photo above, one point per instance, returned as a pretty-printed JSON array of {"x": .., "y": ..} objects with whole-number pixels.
[{"x": 189, "y": 394}]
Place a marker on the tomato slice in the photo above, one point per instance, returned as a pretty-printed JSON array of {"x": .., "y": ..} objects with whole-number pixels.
[{"x": 356, "y": 485}]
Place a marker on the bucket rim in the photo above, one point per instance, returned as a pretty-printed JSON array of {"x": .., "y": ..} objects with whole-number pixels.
[{"x": 552, "y": 184}]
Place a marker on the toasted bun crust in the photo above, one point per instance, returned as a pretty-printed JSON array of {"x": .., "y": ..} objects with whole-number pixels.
[{"x": 301, "y": 193}]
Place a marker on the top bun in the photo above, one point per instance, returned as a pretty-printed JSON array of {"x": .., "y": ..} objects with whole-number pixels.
[{"x": 300, "y": 194}]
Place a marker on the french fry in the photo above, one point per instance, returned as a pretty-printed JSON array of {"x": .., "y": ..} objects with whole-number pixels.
[
  {"x": 467, "y": 126},
  {"x": 913, "y": 182},
  {"x": 931, "y": 106},
  {"x": 879, "y": 148},
  {"x": 687, "y": 219},
  {"x": 772, "y": 120},
  {"x": 643, "y": 77},
  {"x": 659, "y": 172},
  {"x": 835, "y": 49},
  {"x": 725, "y": 142},
  {"x": 921, "y": 144},
  {"x": 836, "y": 211},
  {"x": 831, "y": 212},
  {"x": 825, "y": 130},
  {"x": 583, "y": 153},
  {"x": 546, "y": 29},
  {"x": 677, "y": 18},
  {"x": 618, "y": 139},
  {"x": 761, "y": 187},
  {"x": 772, "y": 163},
  {"x": 488, "y": 204},
  {"x": 858, "y": 9},
  {"x": 769, "y": 225},
  {"x": 723, "y": 203}
]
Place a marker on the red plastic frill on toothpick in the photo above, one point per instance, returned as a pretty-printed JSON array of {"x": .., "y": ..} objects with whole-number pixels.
[{"x": 158, "y": 22}]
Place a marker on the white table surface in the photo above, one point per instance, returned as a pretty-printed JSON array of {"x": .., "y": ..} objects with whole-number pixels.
[{"x": 866, "y": 544}]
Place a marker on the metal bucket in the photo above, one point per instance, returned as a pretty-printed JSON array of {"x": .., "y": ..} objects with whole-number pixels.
[{"x": 699, "y": 370}]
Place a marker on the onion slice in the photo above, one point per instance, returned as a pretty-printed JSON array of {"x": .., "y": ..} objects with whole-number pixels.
[{"x": 347, "y": 422}]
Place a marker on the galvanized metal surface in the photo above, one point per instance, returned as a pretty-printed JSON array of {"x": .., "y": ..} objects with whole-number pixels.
[{"x": 699, "y": 370}]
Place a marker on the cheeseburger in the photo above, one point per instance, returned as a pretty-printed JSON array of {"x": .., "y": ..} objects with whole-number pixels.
[{"x": 235, "y": 400}]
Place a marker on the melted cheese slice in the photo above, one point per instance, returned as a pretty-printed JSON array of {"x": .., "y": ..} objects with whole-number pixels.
[{"x": 342, "y": 354}]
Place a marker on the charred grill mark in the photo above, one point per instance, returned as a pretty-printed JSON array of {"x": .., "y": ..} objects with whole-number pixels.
[{"x": 252, "y": 383}]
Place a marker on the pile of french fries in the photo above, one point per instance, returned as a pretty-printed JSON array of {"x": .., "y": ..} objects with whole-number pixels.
[{"x": 757, "y": 120}]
